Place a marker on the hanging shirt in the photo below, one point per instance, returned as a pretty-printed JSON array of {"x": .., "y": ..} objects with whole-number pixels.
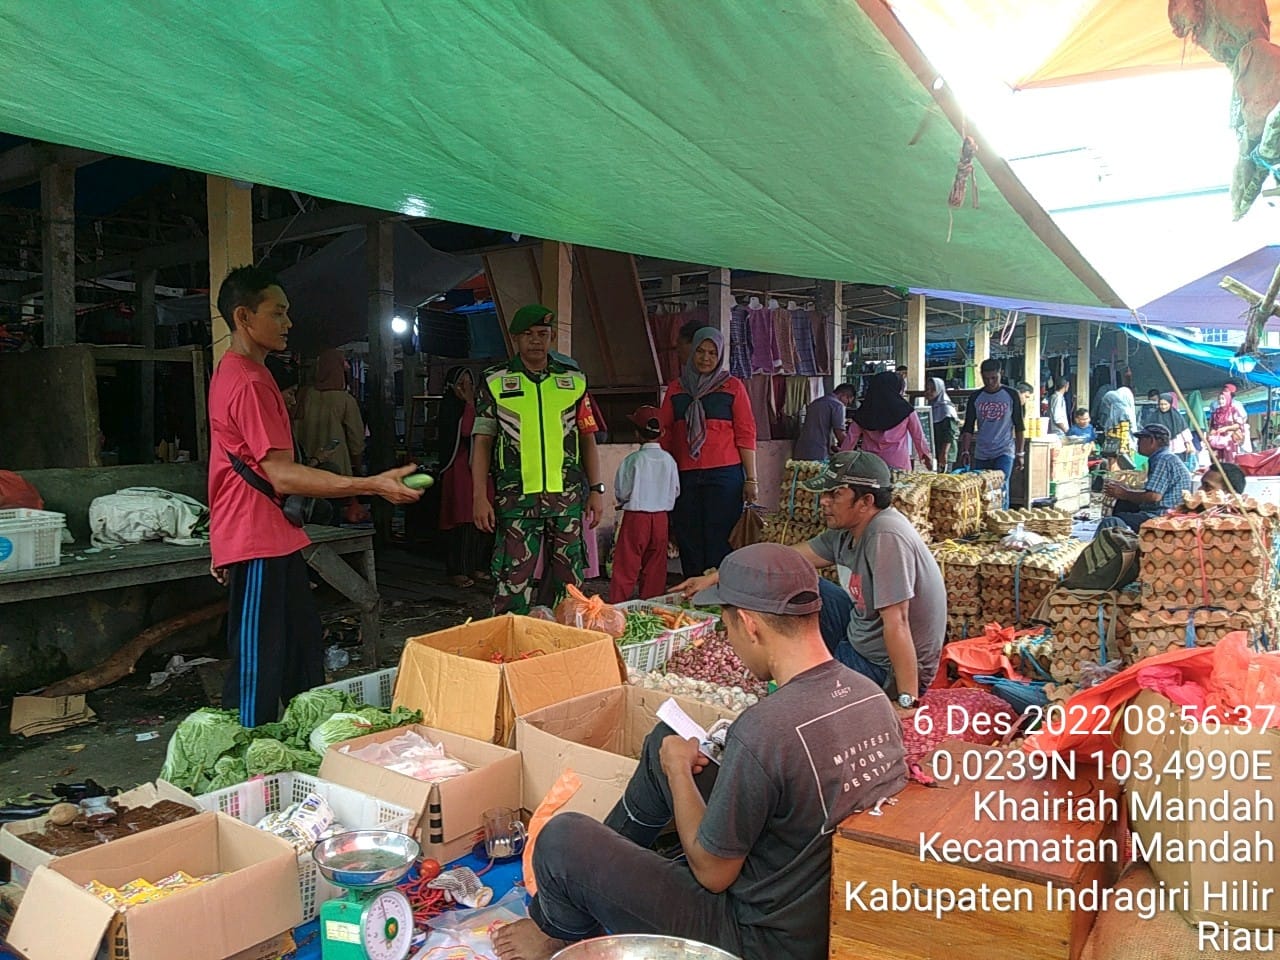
[
  {"x": 739, "y": 345},
  {"x": 764, "y": 341},
  {"x": 647, "y": 480}
]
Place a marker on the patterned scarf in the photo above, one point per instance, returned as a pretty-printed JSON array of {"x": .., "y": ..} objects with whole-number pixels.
[{"x": 698, "y": 385}]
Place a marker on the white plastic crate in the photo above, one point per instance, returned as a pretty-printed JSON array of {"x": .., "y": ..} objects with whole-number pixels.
[
  {"x": 654, "y": 654},
  {"x": 373, "y": 689},
  {"x": 30, "y": 539},
  {"x": 251, "y": 801}
]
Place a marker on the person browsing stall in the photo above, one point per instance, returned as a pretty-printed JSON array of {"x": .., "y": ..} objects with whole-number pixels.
[
  {"x": 709, "y": 429},
  {"x": 1058, "y": 422},
  {"x": 646, "y": 487},
  {"x": 1167, "y": 480},
  {"x": 823, "y": 429},
  {"x": 887, "y": 617},
  {"x": 993, "y": 433},
  {"x": 945, "y": 420},
  {"x": 755, "y": 829},
  {"x": 273, "y": 629},
  {"x": 532, "y": 412},
  {"x": 886, "y": 424}
]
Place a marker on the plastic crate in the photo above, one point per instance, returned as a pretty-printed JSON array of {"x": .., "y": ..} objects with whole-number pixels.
[
  {"x": 251, "y": 801},
  {"x": 654, "y": 654},
  {"x": 373, "y": 689},
  {"x": 30, "y": 539}
]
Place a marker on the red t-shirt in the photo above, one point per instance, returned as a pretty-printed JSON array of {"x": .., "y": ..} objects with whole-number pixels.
[
  {"x": 247, "y": 417},
  {"x": 730, "y": 425}
]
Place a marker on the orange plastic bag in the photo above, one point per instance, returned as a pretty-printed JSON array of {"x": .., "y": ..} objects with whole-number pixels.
[
  {"x": 560, "y": 793},
  {"x": 979, "y": 656},
  {"x": 590, "y": 613}
]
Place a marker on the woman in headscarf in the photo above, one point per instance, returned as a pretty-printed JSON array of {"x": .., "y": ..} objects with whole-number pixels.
[
  {"x": 468, "y": 551},
  {"x": 1115, "y": 419},
  {"x": 329, "y": 428},
  {"x": 1227, "y": 425},
  {"x": 711, "y": 433},
  {"x": 945, "y": 419},
  {"x": 1168, "y": 415},
  {"x": 886, "y": 424}
]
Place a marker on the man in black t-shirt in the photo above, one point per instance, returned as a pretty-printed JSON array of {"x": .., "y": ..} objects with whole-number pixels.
[{"x": 756, "y": 828}]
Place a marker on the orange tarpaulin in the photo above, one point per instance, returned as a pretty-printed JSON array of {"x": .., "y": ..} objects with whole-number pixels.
[{"x": 1071, "y": 41}]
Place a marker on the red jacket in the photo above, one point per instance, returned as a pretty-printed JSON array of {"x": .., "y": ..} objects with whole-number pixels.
[{"x": 730, "y": 425}]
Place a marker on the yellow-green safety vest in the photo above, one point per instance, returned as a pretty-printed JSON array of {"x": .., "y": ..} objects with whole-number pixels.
[{"x": 537, "y": 416}]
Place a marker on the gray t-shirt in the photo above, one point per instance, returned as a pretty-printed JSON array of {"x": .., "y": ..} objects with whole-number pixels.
[
  {"x": 824, "y": 746},
  {"x": 889, "y": 563},
  {"x": 821, "y": 418},
  {"x": 994, "y": 417}
]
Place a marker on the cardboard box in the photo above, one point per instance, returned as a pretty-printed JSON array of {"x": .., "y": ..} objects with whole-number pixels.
[
  {"x": 256, "y": 901},
  {"x": 25, "y": 858},
  {"x": 1145, "y": 823},
  {"x": 494, "y": 781},
  {"x": 450, "y": 676},
  {"x": 599, "y": 736}
]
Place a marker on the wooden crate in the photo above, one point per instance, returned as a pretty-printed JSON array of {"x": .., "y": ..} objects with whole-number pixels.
[{"x": 886, "y": 848}]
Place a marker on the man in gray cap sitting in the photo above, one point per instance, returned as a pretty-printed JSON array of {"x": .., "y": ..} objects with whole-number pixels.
[
  {"x": 1167, "y": 480},
  {"x": 887, "y": 617},
  {"x": 755, "y": 826}
]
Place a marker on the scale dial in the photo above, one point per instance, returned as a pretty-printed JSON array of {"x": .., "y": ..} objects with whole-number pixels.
[{"x": 386, "y": 926}]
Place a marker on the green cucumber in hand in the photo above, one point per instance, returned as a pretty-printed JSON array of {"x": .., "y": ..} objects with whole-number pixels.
[{"x": 419, "y": 481}]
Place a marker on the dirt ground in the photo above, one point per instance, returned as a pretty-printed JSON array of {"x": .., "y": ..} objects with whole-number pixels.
[{"x": 118, "y": 749}]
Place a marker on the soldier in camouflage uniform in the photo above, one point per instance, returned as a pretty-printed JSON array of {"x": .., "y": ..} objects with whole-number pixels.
[{"x": 535, "y": 432}]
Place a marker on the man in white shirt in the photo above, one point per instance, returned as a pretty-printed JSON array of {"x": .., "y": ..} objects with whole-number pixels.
[
  {"x": 645, "y": 488},
  {"x": 1059, "y": 421}
]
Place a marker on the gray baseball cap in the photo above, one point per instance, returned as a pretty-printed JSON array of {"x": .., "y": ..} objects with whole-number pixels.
[
  {"x": 767, "y": 578},
  {"x": 854, "y": 467}
]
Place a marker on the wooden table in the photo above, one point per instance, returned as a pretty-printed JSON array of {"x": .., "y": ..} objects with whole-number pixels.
[
  {"x": 885, "y": 851},
  {"x": 152, "y": 562}
]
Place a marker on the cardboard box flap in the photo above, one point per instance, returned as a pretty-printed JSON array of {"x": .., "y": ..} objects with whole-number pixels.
[
  {"x": 530, "y": 634},
  {"x": 592, "y": 720},
  {"x": 534, "y": 683},
  {"x": 454, "y": 691},
  {"x": 190, "y": 845},
  {"x": 494, "y": 781},
  {"x": 44, "y": 929}
]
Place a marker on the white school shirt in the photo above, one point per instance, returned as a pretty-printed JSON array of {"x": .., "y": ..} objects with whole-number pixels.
[{"x": 647, "y": 480}]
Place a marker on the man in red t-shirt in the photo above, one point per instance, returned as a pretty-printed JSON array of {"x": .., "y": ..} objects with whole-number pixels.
[{"x": 273, "y": 629}]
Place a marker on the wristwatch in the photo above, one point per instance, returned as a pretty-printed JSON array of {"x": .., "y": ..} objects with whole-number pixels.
[
  {"x": 907, "y": 702},
  {"x": 596, "y": 488}
]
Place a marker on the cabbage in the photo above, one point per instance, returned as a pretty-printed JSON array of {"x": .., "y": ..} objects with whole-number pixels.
[
  {"x": 227, "y": 772},
  {"x": 266, "y": 756},
  {"x": 339, "y": 727},
  {"x": 310, "y": 708},
  {"x": 197, "y": 744}
]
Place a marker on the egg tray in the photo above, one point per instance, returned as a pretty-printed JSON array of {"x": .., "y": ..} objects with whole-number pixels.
[{"x": 1153, "y": 633}]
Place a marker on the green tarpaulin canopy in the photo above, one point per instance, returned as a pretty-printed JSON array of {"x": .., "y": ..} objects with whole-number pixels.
[{"x": 790, "y": 137}]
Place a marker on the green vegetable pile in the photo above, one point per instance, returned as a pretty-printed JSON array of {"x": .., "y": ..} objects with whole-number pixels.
[
  {"x": 641, "y": 628},
  {"x": 210, "y": 750}
]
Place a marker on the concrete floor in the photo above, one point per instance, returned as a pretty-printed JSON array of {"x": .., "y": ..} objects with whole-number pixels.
[{"x": 416, "y": 600}]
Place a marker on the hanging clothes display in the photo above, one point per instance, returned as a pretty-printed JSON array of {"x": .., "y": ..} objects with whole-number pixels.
[
  {"x": 820, "y": 323},
  {"x": 785, "y": 337},
  {"x": 760, "y": 391},
  {"x": 739, "y": 343},
  {"x": 764, "y": 340},
  {"x": 802, "y": 331},
  {"x": 665, "y": 326}
]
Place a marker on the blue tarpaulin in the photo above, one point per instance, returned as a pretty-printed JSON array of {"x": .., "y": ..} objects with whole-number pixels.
[{"x": 1210, "y": 353}]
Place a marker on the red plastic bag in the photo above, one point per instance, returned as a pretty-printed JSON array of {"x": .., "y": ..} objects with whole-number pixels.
[
  {"x": 979, "y": 657},
  {"x": 590, "y": 613},
  {"x": 16, "y": 492}
]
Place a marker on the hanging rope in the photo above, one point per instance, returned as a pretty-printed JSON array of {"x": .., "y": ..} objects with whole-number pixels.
[{"x": 964, "y": 175}]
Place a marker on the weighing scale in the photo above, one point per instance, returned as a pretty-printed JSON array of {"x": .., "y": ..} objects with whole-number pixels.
[{"x": 373, "y": 921}]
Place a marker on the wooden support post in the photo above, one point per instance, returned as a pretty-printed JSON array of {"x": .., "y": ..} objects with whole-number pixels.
[
  {"x": 720, "y": 301},
  {"x": 828, "y": 301},
  {"x": 1031, "y": 363},
  {"x": 58, "y": 246},
  {"x": 916, "y": 335},
  {"x": 230, "y": 245},
  {"x": 1084, "y": 364},
  {"x": 981, "y": 350},
  {"x": 145, "y": 324},
  {"x": 380, "y": 397},
  {"x": 557, "y": 290}
]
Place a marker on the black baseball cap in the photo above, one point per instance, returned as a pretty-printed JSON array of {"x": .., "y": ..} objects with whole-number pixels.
[
  {"x": 1156, "y": 431},
  {"x": 766, "y": 578},
  {"x": 852, "y": 468}
]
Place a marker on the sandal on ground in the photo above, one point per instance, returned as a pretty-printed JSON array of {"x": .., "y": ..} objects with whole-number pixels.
[{"x": 462, "y": 582}]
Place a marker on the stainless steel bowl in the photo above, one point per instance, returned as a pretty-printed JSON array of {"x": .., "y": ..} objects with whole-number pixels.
[
  {"x": 366, "y": 858},
  {"x": 641, "y": 946}
]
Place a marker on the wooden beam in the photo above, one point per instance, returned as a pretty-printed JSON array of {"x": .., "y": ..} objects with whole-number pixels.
[
  {"x": 58, "y": 249},
  {"x": 230, "y": 245},
  {"x": 1001, "y": 174},
  {"x": 720, "y": 301},
  {"x": 1031, "y": 363},
  {"x": 981, "y": 349},
  {"x": 829, "y": 305},
  {"x": 21, "y": 166},
  {"x": 557, "y": 290},
  {"x": 1084, "y": 365},
  {"x": 380, "y": 397},
  {"x": 917, "y": 333}
]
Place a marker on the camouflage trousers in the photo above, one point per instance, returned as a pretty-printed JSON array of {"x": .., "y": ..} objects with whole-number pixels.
[{"x": 520, "y": 539}]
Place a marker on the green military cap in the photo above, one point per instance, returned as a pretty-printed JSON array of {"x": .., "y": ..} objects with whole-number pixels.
[{"x": 532, "y": 315}]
